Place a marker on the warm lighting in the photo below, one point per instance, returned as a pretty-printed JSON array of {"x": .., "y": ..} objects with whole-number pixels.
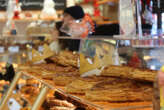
[
  {"x": 28, "y": 46},
  {"x": 153, "y": 67},
  {"x": 3, "y": 65},
  {"x": 24, "y": 55},
  {"x": 147, "y": 58},
  {"x": 15, "y": 65},
  {"x": 111, "y": 41}
]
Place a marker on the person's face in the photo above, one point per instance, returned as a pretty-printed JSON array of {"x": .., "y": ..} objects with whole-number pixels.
[
  {"x": 71, "y": 27},
  {"x": 67, "y": 18}
]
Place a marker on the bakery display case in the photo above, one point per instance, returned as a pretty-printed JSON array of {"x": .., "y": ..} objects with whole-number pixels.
[
  {"x": 39, "y": 72},
  {"x": 15, "y": 51},
  {"x": 104, "y": 74},
  {"x": 28, "y": 92}
]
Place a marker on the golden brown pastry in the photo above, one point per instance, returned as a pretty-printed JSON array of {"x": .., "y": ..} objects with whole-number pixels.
[
  {"x": 30, "y": 90},
  {"x": 79, "y": 86},
  {"x": 31, "y": 82},
  {"x": 66, "y": 58},
  {"x": 65, "y": 78},
  {"x": 129, "y": 72},
  {"x": 118, "y": 90},
  {"x": 62, "y": 103},
  {"x": 25, "y": 108},
  {"x": 61, "y": 108},
  {"x": 54, "y": 68}
]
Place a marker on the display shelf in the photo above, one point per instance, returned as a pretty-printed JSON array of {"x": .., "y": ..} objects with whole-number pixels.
[
  {"x": 51, "y": 85},
  {"x": 106, "y": 22},
  {"x": 145, "y": 42},
  {"x": 32, "y": 13},
  {"x": 147, "y": 105},
  {"x": 33, "y": 19},
  {"x": 99, "y": 105},
  {"x": 100, "y": 2},
  {"x": 44, "y": 91}
]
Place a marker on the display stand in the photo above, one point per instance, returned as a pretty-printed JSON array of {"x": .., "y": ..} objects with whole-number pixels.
[
  {"x": 38, "y": 102},
  {"x": 42, "y": 95}
]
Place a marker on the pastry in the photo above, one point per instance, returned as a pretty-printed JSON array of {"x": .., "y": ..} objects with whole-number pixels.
[
  {"x": 30, "y": 90},
  {"x": 130, "y": 72},
  {"x": 32, "y": 82},
  {"x": 65, "y": 78},
  {"x": 120, "y": 90},
  {"x": 79, "y": 86},
  {"x": 52, "y": 67},
  {"x": 62, "y": 103},
  {"x": 61, "y": 108},
  {"x": 66, "y": 58}
]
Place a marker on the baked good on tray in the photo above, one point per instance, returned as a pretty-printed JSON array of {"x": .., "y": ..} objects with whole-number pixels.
[
  {"x": 62, "y": 103},
  {"x": 56, "y": 68},
  {"x": 79, "y": 86},
  {"x": 62, "y": 79},
  {"x": 66, "y": 58},
  {"x": 129, "y": 72},
  {"x": 61, "y": 108},
  {"x": 120, "y": 90}
]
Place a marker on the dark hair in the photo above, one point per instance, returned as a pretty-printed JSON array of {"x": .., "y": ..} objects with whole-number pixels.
[{"x": 75, "y": 11}]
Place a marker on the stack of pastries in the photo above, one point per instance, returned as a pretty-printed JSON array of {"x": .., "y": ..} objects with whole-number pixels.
[
  {"x": 130, "y": 72},
  {"x": 52, "y": 103},
  {"x": 120, "y": 90},
  {"x": 115, "y": 84}
]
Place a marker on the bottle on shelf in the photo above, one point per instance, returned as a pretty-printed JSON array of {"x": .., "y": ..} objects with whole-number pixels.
[
  {"x": 9, "y": 29},
  {"x": 17, "y": 10}
]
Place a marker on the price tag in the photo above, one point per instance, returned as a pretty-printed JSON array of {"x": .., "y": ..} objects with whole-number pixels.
[
  {"x": 13, "y": 104},
  {"x": 40, "y": 48},
  {"x": 2, "y": 49},
  {"x": 13, "y": 49}
]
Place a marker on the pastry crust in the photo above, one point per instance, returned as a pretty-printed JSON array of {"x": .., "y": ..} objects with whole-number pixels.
[
  {"x": 120, "y": 90},
  {"x": 129, "y": 72},
  {"x": 61, "y": 108},
  {"x": 65, "y": 78},
  {"x": 52, "y": 67},
  {"x": 80, "y": 86},
  {"x": 61, "y": 103},
  {"x": 66, "y": 58}
]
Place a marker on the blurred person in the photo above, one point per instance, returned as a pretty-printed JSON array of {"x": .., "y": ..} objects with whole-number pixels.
[{"x": 75, "y": 24}]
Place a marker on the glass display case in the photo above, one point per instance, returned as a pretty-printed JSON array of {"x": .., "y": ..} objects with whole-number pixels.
[
  {"x": 103, "y": 73},
  {"x": 94, "y": 73}
]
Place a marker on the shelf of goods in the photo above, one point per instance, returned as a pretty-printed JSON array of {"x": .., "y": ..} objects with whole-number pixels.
[
  {"x": 109, "y": 77},
  {"x": 30, "y": 16},
  {"x": 100, "y": 2}
]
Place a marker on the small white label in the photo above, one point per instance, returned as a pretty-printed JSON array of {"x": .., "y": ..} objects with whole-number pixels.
[
  {"x": 2, "y": 49},
  {"x": 13, "y": 49},
  {"x": 13, "y": 104},
  {"x": 89, "y": 61},
  {"x": 40, "y": 48}
]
